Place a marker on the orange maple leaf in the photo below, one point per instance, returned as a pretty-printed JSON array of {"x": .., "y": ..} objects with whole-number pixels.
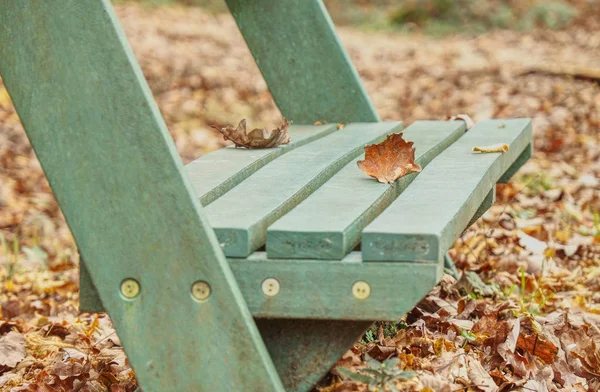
[{"x": 389, "y": 160}]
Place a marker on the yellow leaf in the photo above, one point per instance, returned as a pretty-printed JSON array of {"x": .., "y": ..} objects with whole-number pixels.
[
  {"x": 562, "y": 236},
  {"x": 492, "y": 148}
]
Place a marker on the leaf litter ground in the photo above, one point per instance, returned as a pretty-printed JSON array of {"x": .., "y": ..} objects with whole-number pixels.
[{"x": 524, "y": 316}]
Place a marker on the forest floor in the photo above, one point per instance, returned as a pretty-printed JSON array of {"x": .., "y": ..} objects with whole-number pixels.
[{"x": 524, "y": 316}]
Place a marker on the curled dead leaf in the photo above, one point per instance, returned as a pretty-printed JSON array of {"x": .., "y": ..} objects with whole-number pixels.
[
  {"x": 492, "y": 148},
  {"x": 258, "y": 137},
  {"x": 464, "y": 117},
  {"x": 389, "y": 160}
]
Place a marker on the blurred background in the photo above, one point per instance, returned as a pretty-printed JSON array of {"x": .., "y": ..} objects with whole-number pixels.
[{"x": 426, "y": 59}]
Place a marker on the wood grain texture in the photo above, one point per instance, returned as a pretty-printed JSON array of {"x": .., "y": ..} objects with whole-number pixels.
[
  {"x": 328, "y": 224},
  {"x": 214, "y": 174},
  {"x": 241, "y": 217},
  {"x": 114, "y": 169},
  {"x": 427, "y": 218},
  {"x": 302, "y": 60}
]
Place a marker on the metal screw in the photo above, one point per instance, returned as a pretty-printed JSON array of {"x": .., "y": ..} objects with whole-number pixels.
[
  {"x": 270, "y": 287},
  {"x": 130, "y": 288},
  {"x": 201, "y": 290},
  {"x": 361, "y": 289}
]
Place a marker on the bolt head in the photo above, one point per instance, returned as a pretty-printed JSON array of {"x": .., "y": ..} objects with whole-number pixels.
[
  {"x": 130, "y": 288},
  {"x": 361, "y": 289},
  {"x": 201, "y": 290},
  {"x": 270, "y": 287}
]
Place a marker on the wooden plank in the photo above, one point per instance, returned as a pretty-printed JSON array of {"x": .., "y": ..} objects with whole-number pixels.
[
  {"x": 427, "y": 218},
  {"x": 328, "y": 224},
  {"x": 322, "y": 289},
  {"x": 114, "y": 169},
  {"x": 524, "y": 157},
  {"x": 302, "y": 60},
  {"x": 487, "y": 202},
  {"x": 240, "y": 217},
  {"x": 216, "y": 173}
]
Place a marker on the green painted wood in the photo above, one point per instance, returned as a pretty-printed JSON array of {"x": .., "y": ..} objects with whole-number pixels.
[
  {"x": 424, "y": 221},
  {"x": 114, "y": 169},
  {"x": 328, "y": 224},
  {"x": 487, "y": 202},
  {"x": 322, "y": 289},
  {"x": 211, "y": 176},
  {"x": 304, "y": 350},
  {"x": 216, "y": 173},
  {"x": 89, "y": 300},
  {"x": 524, "y": 157},
  {"x": 302, "y": 60},
  {"x": 311, "y": 79},
  {"x": 241, "y": 216}
]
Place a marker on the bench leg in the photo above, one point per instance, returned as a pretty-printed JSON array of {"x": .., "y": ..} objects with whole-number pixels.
[
  {"x": 113, "y": 167},
  {"x": 304, "y": 350},
  {"x": 302, "y": 60}
]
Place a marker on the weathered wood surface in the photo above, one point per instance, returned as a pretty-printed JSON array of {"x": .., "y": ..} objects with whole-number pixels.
[
  {"x": 328, "y": 224},
  {"x": 241, "y": 216},
  {"x": 521, "y": 160},
  {"x": 216, "y": 173},
  {"x": 304, "y": 350},
  {"x": 114, "y": 169},
  {"x": 322, "y": 289},
  {"x": 424, "y": 221},
  {"x": 487, "y": 202},
  {"x": 302, "y": 60},
  {"x": 311, "y": 79}
]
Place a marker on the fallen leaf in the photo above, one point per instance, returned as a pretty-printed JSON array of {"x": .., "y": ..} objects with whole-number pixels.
[
  {"x": 492, "y": 148},
  {"x": 258, "y": 137},
  {"x": 479, "y": 376},
  {"x": 12, "y": 349},
  {"x": 389, "y": 160},
  {"x": 534, "y": 344},
  {"x": 381, "y": 353},
  {"x": 464, "y": 117}
]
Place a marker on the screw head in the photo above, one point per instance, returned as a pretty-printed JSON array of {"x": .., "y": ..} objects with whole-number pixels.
[
  {"x": 361, "y": 289},
  {"x": 201, "y": 290},
  {"x": 130, "y": 288},
  {"x": 270, "y": 287}
]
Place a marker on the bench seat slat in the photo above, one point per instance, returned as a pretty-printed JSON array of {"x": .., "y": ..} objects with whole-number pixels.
[
  {"x": 241, "y": 216},
  {"x": 424, "y": 221},
  {"x": 214, "y": 174},
  {"x": 328, "y": 224}
]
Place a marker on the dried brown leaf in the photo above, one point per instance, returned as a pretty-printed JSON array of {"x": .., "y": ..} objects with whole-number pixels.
[
  {"x": 12, "y": 349},
  {"x": 389, "y": 160},
  {"x": 258, "y": 137}
]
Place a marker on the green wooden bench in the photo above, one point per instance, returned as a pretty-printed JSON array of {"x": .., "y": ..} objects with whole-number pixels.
[{"x": 246, "y": 270}]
